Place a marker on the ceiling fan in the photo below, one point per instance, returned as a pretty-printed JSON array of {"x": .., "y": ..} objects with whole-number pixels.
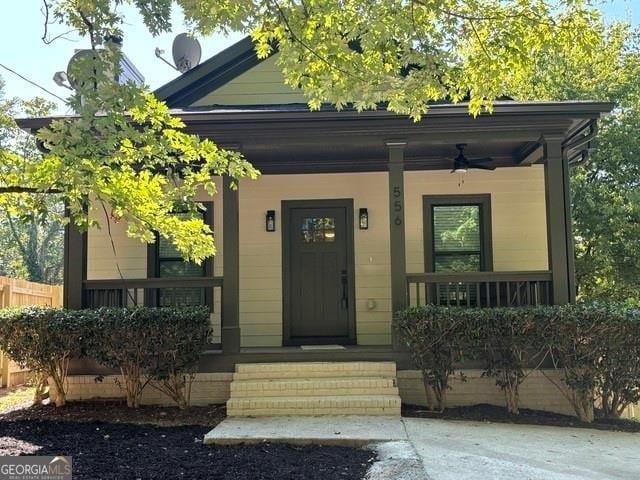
[{"x": 461, "y": 163}]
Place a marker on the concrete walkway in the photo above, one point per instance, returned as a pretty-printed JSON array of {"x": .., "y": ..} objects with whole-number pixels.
[
  {"x": 453, "y": 450},
  {"x": 350, "y": 431}
]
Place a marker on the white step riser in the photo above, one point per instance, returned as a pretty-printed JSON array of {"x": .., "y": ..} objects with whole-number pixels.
[
  {"x": 311, "y": 374},
  {"x": 314, "y": 392},
  {"x": 353, "y": 405},
  {"x": 320, "y": 383},
  {"x": 372, "y": 401},
  {"x": 292, "y": 412},
  {"x": 314, "y": 388},
  {"x": 339, "y": 368}
]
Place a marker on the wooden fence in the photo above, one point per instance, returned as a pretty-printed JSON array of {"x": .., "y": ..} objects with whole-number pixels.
[{"x": 15, "y": 293}]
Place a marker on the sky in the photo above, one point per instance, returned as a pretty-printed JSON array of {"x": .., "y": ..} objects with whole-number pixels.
[{"x": 23, "y": 50}]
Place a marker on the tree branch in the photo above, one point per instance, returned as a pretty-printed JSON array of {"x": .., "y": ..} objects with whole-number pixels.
[{"x": 16, "y": 189}]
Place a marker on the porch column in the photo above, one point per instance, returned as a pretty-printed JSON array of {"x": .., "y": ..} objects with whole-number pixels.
[
  {"x": 231, "y": 265},
  {"x": 74, "y": 265},
  {"x": 559, "y": 223},
  {"x": 396, "y": 232}
]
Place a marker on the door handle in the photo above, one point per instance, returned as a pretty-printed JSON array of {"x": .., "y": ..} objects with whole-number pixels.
[{"x": 344, "y": 301}]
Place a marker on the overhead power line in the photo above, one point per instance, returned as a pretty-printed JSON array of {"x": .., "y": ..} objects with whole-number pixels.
[{"x": 33, "y": 83}]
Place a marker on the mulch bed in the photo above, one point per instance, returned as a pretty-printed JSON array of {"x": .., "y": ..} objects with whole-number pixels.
[
  {"x": 493, "y": 413},
  {"x": 118, "y": 412},
  {"x": 105, "y": 443}
]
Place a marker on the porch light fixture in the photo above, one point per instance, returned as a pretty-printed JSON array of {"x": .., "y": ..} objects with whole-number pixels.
[
  {"x": 271, "y": 221},
  {"x": 363, "y": 217}
]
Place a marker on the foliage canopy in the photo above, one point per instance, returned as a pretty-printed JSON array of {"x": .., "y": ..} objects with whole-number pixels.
[{"x": 126, "y": 153}]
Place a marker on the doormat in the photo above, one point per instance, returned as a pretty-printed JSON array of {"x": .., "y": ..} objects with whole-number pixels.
[{"x": 322, "y": 347}]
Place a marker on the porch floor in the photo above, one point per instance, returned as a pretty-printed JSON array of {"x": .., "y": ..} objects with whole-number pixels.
[{"x": 215, "y": 360}]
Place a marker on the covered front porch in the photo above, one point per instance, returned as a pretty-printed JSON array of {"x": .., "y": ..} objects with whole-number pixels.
[{"x": 398, "y": 172}]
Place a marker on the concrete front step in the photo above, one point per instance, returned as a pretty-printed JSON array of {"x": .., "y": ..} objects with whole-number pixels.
[
  {"x": 316, "y": 405},
  {"x": 257, "y": 371},
  {"x": 314, "y": 387}
]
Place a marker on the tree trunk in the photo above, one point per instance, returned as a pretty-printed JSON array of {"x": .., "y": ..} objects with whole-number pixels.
[
  {"x": 61, "y": 397},
  {"x": 512, "y": 399},
  {"x": 583, "y": 406},
  {"x": 40, "y": 384},
  {"x": 436, "y": 396}
]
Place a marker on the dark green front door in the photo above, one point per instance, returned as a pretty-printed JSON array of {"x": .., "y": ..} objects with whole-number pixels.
[{"x": 318, "y": 272}]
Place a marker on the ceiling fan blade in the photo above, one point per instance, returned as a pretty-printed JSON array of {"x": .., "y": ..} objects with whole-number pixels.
[
  {"x": 481, "y": 160},
  {"x": 481, "y": 166}
]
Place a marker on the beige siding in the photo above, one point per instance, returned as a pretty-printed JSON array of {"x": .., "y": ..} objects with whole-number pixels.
[
  {"x": 107, "y": 260},
  {"x": 518, "y": 224},
  {"x": 261, "y": 252},
  {"x": 261, "y": 85},
  {"x": 110, "y": 252},
  {"x": 517, "y": 211}
]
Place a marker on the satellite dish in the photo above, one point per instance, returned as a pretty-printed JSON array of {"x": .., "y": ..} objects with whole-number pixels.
[
  {"x": 74, "y": 66},
  {"x": 186, "y": 52}
]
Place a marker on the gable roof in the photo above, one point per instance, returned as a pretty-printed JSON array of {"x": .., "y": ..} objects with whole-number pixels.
[{"x": 209, "y": 75}]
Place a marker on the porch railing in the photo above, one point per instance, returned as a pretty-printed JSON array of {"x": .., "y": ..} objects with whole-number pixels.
[
  {"x": 480, "y": 289},
  {"x": 153, "y": 292}
]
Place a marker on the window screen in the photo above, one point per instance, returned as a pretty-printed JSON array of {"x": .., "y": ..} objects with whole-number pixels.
[
  {"x": 457, "y": 238},
  {"x": 171, "y": 264}
]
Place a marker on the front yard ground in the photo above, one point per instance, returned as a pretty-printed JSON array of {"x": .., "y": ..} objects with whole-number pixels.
[
  {"x": 493, "y": 413},
  {"x": 109, "y": 441},
  {"x": 15, "y": 397},
  {"x": 470, "y": 450}
]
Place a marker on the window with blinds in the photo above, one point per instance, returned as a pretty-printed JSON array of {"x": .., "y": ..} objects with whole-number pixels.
[
  {"x": 457, "y": 238},
  {"x": 171, "y": 264}
]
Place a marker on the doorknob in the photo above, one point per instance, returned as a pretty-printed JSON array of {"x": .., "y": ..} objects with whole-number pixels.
[{"x": 345, "y": 292}]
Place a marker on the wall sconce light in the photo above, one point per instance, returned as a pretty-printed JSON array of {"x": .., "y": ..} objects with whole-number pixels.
[
  {"x": 271, "y": 221},
  {"x": 363, "y": 219}
]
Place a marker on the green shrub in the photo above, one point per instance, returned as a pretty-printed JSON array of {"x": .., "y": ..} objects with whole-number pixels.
[
  {"x": 503, "y": 338},
  {"x": 184, "y": 334},
  {"x": 157, "y": 345},
  {"x": 620, "y": 363},
  {"x": 595, "y": 346},
  {"x": 574, "y": 336},
  {"x": 433, "y": 336},
  {"x": 45, "y": 340}
]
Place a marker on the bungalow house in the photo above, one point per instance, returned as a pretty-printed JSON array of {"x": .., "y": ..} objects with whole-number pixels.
[{"x": 355, "y": 216}]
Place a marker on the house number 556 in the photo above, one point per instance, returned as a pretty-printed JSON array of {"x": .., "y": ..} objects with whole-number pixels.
[{"x": 397, "y": 205}]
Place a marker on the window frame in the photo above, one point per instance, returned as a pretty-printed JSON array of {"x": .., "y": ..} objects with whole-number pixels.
[
  {"x": 153, "y": 262},
  {"x": 481, "y": 200}
]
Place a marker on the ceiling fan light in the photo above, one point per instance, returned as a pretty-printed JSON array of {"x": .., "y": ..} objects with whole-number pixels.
[{"x": 459, "y": 170}]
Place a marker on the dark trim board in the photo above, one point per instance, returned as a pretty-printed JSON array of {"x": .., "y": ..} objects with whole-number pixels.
[
  {"x": 210, "y": 75},
  {"x": 214, "y": 361},
  {"x": 74, "y": 266},
  {"x": 287, "y": 207},
  {"x": 484, "y": 200}
]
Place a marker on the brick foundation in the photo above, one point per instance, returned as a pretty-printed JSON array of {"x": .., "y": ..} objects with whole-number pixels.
[
  {"x": 209, "y": 388},
  {"x": 536, "y": 391}
]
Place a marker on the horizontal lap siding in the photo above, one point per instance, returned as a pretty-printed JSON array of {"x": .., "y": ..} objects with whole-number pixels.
[
  {"x": 519, "y": 239},
  {"x": 261, "y": 85},
  {"x": 517, "y": 210},
  {"x": 130, "y": 255},
  {"x": 261, "y": 252},
  {"x": 103, "y": 258}
]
